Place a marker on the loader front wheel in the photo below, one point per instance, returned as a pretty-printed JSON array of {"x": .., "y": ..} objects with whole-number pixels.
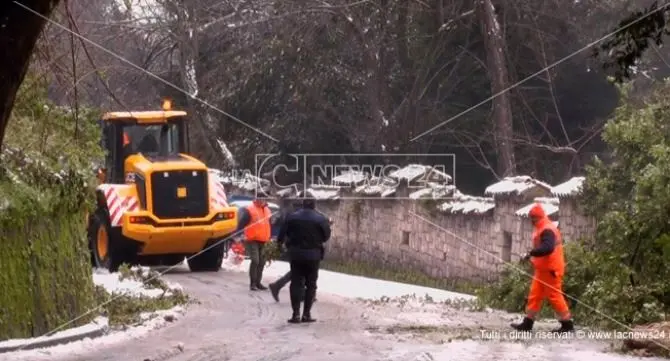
[
  {"x": 104, "y": 243},
  {"x": 210, "y": 260}
]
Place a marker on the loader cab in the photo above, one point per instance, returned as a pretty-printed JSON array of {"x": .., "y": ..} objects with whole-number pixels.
[{"x": 155, "y": 134}]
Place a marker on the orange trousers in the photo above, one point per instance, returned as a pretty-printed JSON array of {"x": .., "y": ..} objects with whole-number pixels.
[{"x": 547, "y": 285}]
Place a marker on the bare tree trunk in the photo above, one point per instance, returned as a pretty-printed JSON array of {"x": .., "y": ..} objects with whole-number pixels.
[
  {"x": 19, "y": 31},
  {"x": 217, "y": 153},
  {"x": 498, "y": 73}
]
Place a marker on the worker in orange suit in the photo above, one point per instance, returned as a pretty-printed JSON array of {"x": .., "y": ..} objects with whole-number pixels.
[{"x": 549, "y": 265}]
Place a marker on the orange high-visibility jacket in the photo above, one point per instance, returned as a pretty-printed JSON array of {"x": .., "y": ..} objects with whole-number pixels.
[
  {"x": 555, "y": 261},
  {"x": 259, "y": 228}
]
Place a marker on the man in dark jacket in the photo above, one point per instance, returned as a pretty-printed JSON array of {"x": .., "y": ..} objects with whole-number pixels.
[
  {"x": 277, "y": 285},
  {"x": 304, "y": 233}
]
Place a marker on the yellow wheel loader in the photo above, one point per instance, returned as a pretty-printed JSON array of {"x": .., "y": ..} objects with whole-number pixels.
[{"x": 156, "y": 204}]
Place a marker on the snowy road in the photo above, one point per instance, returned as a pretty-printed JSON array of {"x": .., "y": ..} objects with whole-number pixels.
[{"x": 232, "y": 323}]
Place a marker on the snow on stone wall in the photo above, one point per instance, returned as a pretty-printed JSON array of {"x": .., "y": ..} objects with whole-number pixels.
[{"x": 433, "y": 227}]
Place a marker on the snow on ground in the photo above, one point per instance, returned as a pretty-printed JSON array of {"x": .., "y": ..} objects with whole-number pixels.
[
  {"x": 348, "y": 286},
  {"x": 153, "y": 321},
  {"x": 73, "y": 332},
  {"x": 429, "y": 324},
  {"x": 470, "y": 350},
  {"x": 423, "y": 323},
  {"x": 113, "y": 283}
]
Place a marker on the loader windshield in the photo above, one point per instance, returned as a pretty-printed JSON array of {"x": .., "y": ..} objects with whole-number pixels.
[{"x": 152, "y": 140}]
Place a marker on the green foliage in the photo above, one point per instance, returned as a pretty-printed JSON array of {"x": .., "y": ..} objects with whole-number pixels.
[
  {"x": 49, "y": 153},
  {"x": 45, "y": 187},
  {"x": 128, "y": 309},
  {"x": 272, "y": 251},
  {"x": 46, "y": 277},
  {"x": 631, "y": 38},
  {"x": 584, "y": 270},
  {"x": 58, "y": 136},
  {"x": 631, "y": 198},
  {"x": 620, "y": 277}
]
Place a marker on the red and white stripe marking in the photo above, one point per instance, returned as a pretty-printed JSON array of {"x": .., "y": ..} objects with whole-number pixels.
[
  {"x": 116, "y": 204},
  {"x": 217, "y": 195}
]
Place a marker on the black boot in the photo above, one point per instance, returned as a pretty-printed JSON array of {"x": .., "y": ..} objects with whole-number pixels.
[
  {"x": 252, "y": 278},
  {"x": 566, "y": 327},
  {"x": 307, "y": 318},
  {"x": 525, "y": 325},
  {"x": 274, "y": 290},
  {"x": 261, "y": 287},
  {"x": 295, "y": 318},
  {"x": 295, "y": 305}
]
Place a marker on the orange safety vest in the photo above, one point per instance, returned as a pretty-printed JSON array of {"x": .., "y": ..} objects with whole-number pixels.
[
  {"x": 259, "y": 224},
  {"x": 555, "y": 261}
]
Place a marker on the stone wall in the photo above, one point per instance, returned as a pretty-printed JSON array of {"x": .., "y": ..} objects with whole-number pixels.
[
  {"x": 575, "y": 225},
  {"x": 456, "y": 237},
  {"x": 405, "y": 233}
]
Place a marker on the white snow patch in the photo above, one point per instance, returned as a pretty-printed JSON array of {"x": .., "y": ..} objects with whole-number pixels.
[
  {"x": 413, "y": 172},
  {"x": 245, "y": 181},
  {"x": 217, "y": 174},
  {"x": 518, "y": 185},
  {"x": 4, "y": 203},
  {"x": 143, "y": 12},
  {"x": 324, "y": 192},
  {"x": 410, "y": 172},
  {"x": 433, "y": 191},
  {"x": 285, "y": 192},
  {"x": 350, "y": 177},
  {"x": 570, "y": 188},
  {"x": 465, "y": 204},
  {"x": 190, "y": 78},
  {"x": 385, "y": 121},
  {"x": 382, "y": 186},
  {"x": 274, "y": 207},
  {"x": 114, "y": 285},
  {"x": 349, "y": 286},
  {"x": 452, "y": 320},
  {"x": 90, "y": 327},
  {"x": 151, "y": 321},
  {"x": 227, "y": 154},
  {"x": 550, "y": 206},
  {"x": 477, "y": 350}
]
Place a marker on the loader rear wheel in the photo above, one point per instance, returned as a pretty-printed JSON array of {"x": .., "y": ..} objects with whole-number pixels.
[
  {"x": 104, "y": 243},
  {"x": 209, "y": 260}
]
